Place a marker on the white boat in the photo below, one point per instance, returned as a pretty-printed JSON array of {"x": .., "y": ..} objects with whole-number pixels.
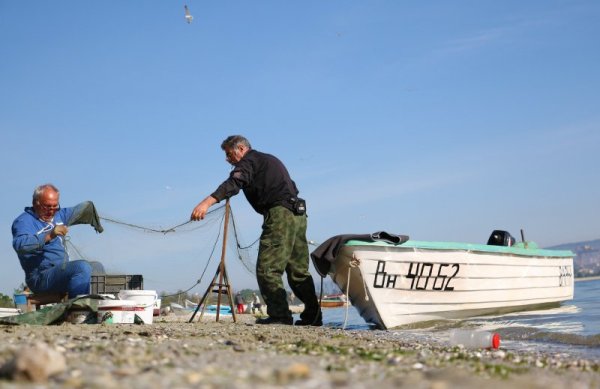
[
  {"x": 6, "y": 312},
  {"x": 406, "y": 282}
]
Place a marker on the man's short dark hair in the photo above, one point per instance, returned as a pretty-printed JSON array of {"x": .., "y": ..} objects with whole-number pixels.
[{"x": 233, "y": 141}]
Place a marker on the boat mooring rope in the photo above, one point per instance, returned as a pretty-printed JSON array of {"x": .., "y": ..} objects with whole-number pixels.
[
  {"x": 353, "y": 263},
  {"x": 347, "y": 296}
]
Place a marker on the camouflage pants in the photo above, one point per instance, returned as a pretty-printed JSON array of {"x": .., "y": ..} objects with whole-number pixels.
[{"x": 283, "y": 247}]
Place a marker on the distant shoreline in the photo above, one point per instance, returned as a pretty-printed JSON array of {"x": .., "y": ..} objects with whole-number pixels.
[{"x": 594, "y": 278}]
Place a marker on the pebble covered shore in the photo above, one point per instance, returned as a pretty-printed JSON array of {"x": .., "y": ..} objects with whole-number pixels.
[{"x": 172, "y": 353}]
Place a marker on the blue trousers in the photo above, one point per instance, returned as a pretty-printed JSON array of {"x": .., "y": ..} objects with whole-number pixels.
[{"x": 74, "y": 279}]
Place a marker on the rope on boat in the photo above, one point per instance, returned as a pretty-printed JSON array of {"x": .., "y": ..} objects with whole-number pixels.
[
  {"x": 348, "y": 296},
  {"x": 321, "y": 293},
  {"x": 354, "y": 262}
]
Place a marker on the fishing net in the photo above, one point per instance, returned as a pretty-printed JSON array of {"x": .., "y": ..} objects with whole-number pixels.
[{"x": 199, "y": 242}]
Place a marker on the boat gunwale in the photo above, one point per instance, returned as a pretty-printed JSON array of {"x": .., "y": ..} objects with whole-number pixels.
[{"x": 473, "y": 247}]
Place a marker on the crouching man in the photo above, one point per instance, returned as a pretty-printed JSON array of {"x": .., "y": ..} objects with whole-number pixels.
[{"x": 39, "y": 241}]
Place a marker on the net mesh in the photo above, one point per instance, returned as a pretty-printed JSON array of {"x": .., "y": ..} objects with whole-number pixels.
[{"x": 203, "y": 238}]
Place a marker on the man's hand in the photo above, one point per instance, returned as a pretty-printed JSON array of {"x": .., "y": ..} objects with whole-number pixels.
[
  {"x": 60, "y": 229},
  {"x": 200, "y": 210}
]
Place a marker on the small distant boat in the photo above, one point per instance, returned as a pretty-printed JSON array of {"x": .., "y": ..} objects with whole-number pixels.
[
  {"x": 393, "y": 281},
  {"x": 190, "y": 304},
  {"x": 179, "y": 309},
  {"x": 212, "y": 310},
  {"x": 334, "y": 301},
  {"x": 6, "y": 312},
  {"x": 190, "y": 307}
]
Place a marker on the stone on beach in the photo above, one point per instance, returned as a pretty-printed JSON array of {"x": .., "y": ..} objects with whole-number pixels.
[{"x": 34, "y": 363}]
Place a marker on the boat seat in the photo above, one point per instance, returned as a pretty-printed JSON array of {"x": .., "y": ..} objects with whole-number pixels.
[
  {"x": 38, "y": 299},
  {"x": 501, "y": 238}
]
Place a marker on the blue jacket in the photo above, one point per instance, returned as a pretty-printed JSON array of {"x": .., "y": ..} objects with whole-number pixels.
[{"x": 29, "y": 236}]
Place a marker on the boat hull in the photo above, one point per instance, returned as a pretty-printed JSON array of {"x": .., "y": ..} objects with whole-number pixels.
[{"x": 393, "y": 286}]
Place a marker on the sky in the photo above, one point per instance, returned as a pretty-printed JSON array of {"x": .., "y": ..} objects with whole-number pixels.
[{"x": 438, "y": 120}]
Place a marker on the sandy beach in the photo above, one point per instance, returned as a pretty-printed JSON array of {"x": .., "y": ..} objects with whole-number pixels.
[{"x": 224, "y": 354}]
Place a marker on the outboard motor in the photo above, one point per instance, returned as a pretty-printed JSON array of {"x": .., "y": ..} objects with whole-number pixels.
[{"x": 501, "y": 238}]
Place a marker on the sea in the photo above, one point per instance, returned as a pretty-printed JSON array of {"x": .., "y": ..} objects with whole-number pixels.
[{"x": 572, "y": 329}]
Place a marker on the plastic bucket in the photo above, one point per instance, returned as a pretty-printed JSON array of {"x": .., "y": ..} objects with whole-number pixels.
[
  {"x": 118, "y": 311},
  {"x": 20, "y": 299},
  {"x": 21, "y": 302},
  {"x": 145, "y": 299}
]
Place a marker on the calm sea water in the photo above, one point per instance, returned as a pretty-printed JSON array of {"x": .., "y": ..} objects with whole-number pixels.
[{"x": 573, "y": 328}]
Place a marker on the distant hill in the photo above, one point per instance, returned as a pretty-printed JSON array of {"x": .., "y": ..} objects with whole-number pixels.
[
  {"x": 587, "y": 257},
  {"x": 593, "y": 244}
]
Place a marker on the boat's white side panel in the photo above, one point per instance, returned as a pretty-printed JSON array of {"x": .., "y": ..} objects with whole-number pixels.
[{"x": 402, "y": 286}]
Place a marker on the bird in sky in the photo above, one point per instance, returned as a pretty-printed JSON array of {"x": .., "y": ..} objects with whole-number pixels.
[{"x": 188, "y": 16}]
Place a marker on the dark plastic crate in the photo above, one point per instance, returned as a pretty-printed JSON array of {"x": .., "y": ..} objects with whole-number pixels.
[{"x": 114, "y": 283}]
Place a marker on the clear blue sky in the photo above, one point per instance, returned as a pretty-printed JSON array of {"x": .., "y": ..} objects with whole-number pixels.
[{"x": 441, "y": 120}]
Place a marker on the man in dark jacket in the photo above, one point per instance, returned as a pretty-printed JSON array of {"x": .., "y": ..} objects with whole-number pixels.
[{"x": 269, "y": 189}]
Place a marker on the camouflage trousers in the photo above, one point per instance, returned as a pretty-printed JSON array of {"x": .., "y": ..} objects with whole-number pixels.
[{"x": 283, "y": 247}]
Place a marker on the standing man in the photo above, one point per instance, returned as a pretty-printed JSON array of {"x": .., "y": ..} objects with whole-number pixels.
[
  {"x": 240, "y": 302},
  {"x": 39, "y": 241},
  {"x": 283, "y": 247},
  {"x": 256, "y": 304}
]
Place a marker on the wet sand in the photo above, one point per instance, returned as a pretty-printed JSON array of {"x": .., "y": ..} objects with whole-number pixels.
[{"x": 224, "y": 354}]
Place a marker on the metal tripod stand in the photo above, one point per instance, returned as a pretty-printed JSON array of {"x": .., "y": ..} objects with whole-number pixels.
[{"x": 222, "y": 286}]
